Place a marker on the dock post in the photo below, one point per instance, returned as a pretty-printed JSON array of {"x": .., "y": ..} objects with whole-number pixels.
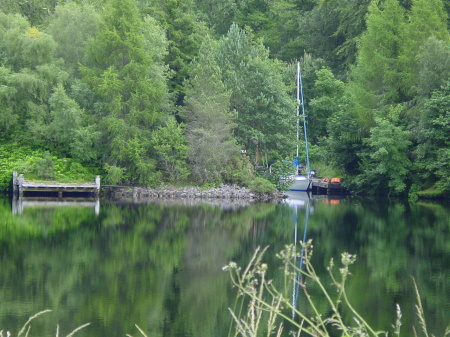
[
  {"x": 14, "y": 183},
  {"x": 97, "y": 183},
  {"x": 20, "y": 180}
]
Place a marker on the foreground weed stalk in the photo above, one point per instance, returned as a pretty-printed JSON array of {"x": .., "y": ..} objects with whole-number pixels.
[
  {"x": 265, "y": 299},
  {"x": 27, "y": 327}
]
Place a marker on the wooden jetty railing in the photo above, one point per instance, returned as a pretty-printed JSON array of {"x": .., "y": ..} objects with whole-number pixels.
[{"x": 28, "y": 189}]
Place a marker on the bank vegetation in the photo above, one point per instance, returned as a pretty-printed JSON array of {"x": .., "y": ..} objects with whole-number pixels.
[{"x": 157, "y": 92}]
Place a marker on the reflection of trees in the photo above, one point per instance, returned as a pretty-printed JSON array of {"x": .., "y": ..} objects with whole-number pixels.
[
  {"x": 393, "y": 243},
  {"x": 139, "y": 264},
  {"x": 160, "y": 266},
  {"x": 40, "y": 222}
]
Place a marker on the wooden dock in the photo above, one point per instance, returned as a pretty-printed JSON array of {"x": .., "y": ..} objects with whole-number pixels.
[
  {"x": 327, "y": 186},
  {"x": 45, "y": 190}
]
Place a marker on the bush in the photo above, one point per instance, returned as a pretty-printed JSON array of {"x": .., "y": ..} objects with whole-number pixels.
[
  {"x": 37, "y": 164},
  {"x": 261, "y": 185},
  {"x": 281, "y": 174}
]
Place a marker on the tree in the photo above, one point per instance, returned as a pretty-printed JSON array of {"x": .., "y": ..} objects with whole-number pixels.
[
  {"x": 433, "y": 66},
  {"x": 131, "y": 87},
  {"x": 8, "y": 116},
  {"x": 433, "y": 154},
  {"x": 25, "y": 46},
  {"x": 344, "y": 141},
  {"x": 220, "y": 14},
  {"x": 385, "y": 164},
  {"x": 71, "y": 26},
  {"x": 376, "y": 78},
  {"x": 328, "y": 100},
  {"x": 28, "y": 76},
  {"x": 351, "y": 25},
  {"x": 184, "y": 31},
  {"x": 35, "y": 11},
  {"x": 427, "y": 18},
  {"x": 209, "y": 128},
  {"x": 170, "y": 146},
  {"x": 259, "y": 94}
]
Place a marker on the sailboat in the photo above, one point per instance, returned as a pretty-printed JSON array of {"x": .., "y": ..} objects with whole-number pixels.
[{"x": 301, "y": 182}]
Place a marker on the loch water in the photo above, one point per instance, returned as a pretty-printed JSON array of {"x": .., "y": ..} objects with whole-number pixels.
[{"x": 158, "y": 264}]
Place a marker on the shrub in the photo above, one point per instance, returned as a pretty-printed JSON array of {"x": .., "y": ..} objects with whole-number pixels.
[
  {"x": 37, "y": 164},
  {"x": 261, "y": 185},
  {"x": 281, "y": 174}
]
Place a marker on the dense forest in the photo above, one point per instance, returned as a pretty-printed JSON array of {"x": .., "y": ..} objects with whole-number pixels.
[{"x": 147, "y": 92}]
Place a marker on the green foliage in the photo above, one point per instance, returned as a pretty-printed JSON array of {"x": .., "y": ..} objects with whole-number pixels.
[
  {"x": 210, "y": 121},
  {"x": 185, "y": 31},
  {"x": 71, "y": 26},
  {"x": 434, "y": 140},
  {"x": 38, "y": 164},
  {"x": 385, "y": 164},
  {"x": 328, "y": 100},
  {"x": 27, "y": 48},
  {"x": 262, "y": 185},
  {"x": 281, "y": 174},
  {"x": 344, "y": 142},
  {"x": 376, "y": 76},
  {"x": 170, "y": 146},
  {"x": 130, "y": 84},
  {"x": 265, "y": 112},
  {"x": 239, "y": 170},
  {"x": 427, "y": 18},
  {"x": 114, "y": 174},
  {"x": 92, "y": 80},
  {"x": 434, "y": 66}
]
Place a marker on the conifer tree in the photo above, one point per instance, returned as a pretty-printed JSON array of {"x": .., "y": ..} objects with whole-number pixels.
[
  {"x": 427, "y": 18},
  {"x": 376, "y": 78},
  {"x": 184, "y": 31},
  {"x": 130, "y": 91},
  {"x": 210, "y": 124}
]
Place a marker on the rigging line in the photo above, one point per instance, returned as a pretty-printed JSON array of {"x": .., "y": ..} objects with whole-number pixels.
[{"x": 299, "y": 71}]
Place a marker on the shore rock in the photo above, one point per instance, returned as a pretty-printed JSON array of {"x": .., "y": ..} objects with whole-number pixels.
[{"x": 224, "y": 192}]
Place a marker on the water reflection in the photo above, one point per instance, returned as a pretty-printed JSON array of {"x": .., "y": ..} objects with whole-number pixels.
[
  {"x": 158, "y": 264},
  {"x": 297, "y": 201},
  {"x": 19, "y": 204}
]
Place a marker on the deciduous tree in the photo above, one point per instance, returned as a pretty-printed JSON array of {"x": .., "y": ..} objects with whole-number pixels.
[{"x": 259, "y": 94}]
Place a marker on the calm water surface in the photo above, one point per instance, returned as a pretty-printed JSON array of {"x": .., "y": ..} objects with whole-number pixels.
[{"x": 159, "y": 264}]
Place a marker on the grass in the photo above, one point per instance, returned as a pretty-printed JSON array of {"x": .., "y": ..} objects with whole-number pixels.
[
  {"x": 266, "y": 300},
  {"x": 25, "y": 330}
]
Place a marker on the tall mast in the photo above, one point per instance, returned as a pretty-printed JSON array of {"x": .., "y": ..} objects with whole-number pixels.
[
  {"x": 298, "y": 112},
  {"x": 302, "y": 102}
]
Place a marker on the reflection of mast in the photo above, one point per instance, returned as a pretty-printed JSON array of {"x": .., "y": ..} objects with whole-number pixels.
[{"x": 298, "y": 277}]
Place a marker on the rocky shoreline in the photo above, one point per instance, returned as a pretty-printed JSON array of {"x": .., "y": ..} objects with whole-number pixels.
[{"x": 223, "y": 192}]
